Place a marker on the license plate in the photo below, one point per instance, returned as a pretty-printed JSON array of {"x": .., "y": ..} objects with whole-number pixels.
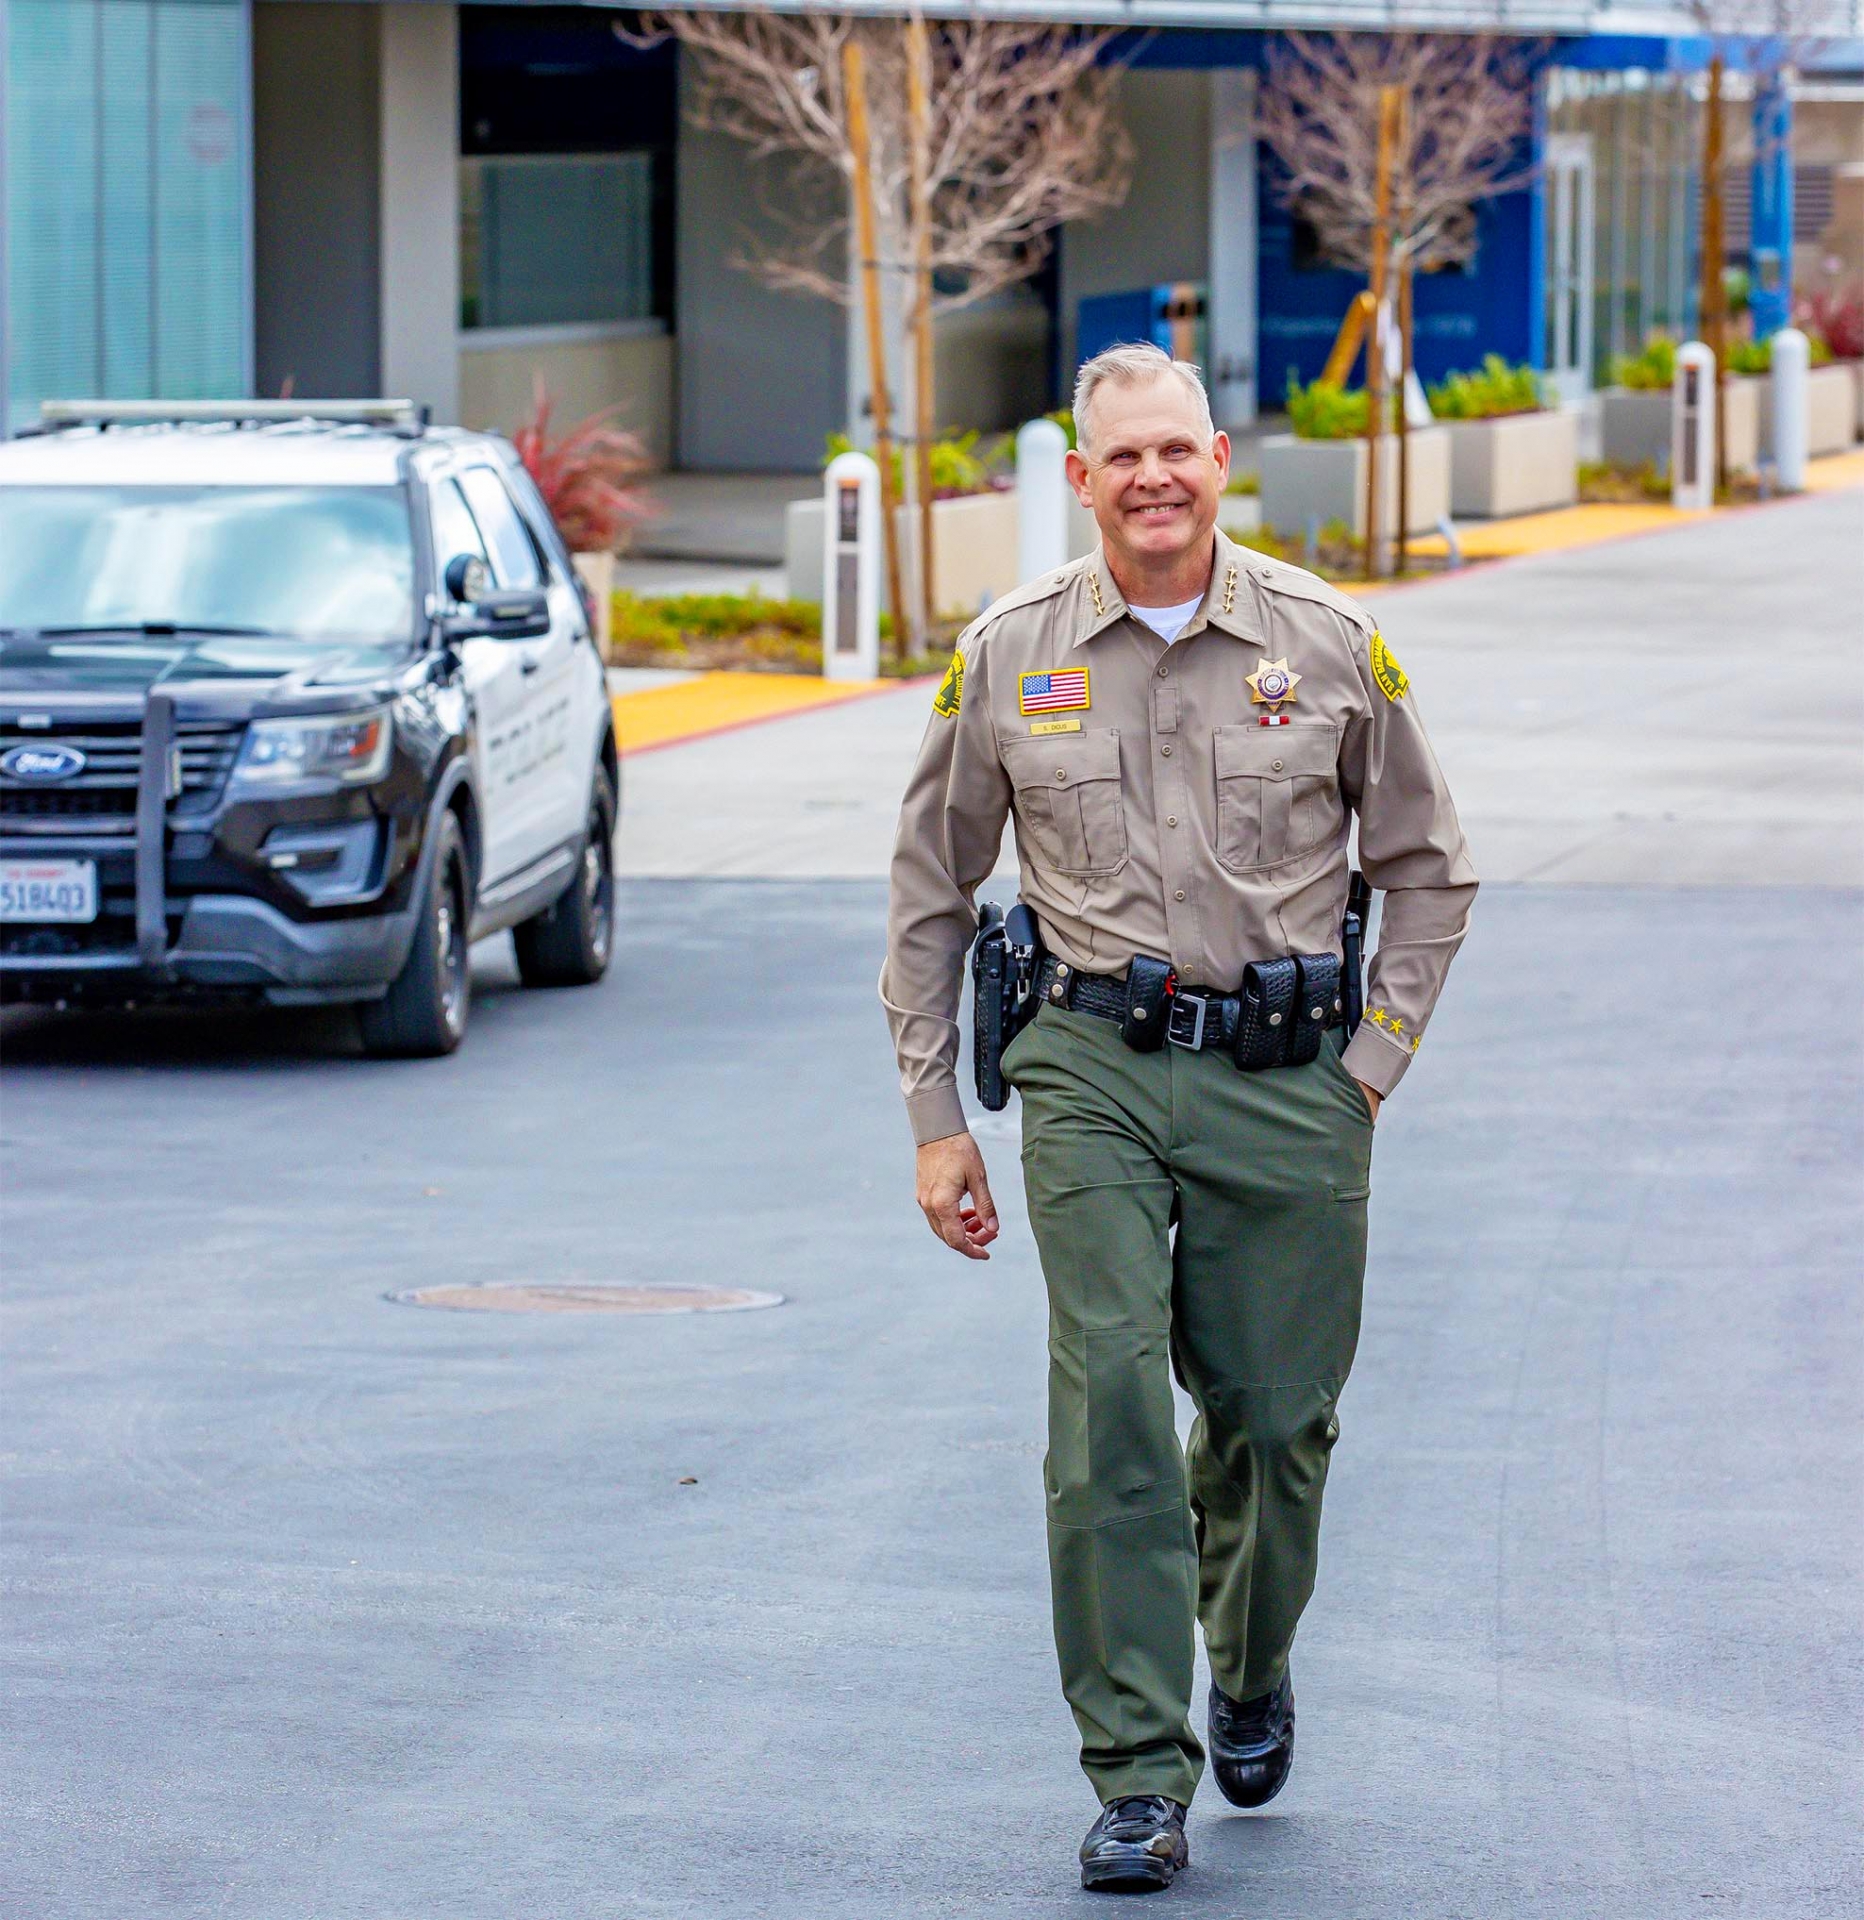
[{"x": 47, "y": 890}]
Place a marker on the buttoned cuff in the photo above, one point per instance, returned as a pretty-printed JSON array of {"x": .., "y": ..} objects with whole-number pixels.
[
  {"x": 1375, "y": 1060},
  {"x": 936, "y": 1113}
]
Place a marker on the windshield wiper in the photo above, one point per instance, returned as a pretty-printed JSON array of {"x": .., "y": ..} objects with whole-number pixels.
[{"x": 160, "y": 630}]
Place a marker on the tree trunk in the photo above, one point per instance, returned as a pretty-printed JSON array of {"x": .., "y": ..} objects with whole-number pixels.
[
  {"x": 859, "y": 138},
  {"x": 1375, "y": 344},
  {"x": 1714, "y": 292},
  {"x": 918, "y": 73}
]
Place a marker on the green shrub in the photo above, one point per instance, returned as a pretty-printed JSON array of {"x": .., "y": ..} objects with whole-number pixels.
[
  {"x": 1064, "y": 418},
  {"x": 1323, "y": 411},
  {"x": 1750, "y": 356},
  {"x": 958, "y": 467},
  {"x": 1493, "y": 390},
  {"x": 1249, "y": 485},
  {"x": 1653, "y": 370}
]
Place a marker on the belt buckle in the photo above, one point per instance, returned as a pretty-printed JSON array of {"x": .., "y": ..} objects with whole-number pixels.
[{"x": 1197, "y": 1005}]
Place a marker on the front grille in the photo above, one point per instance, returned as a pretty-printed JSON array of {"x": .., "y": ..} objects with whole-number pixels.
[{"x": 101, "y": 798}]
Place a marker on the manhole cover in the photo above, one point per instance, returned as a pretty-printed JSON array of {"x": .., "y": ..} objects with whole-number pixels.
[{"x": 498, "y": 1296}]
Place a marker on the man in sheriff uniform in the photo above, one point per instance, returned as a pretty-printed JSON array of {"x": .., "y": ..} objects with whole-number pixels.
[{"x": 1181, "y": 729}]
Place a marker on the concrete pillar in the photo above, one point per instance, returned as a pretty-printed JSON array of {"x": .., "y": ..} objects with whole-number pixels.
[
  {"x": 851, "y": 568},
  {"x": 1041, "y": 499},
  {"x": 1771, "y": 244},
  {"x": 1231, "y": 309},
  {"x": 1792, "y": 365},
  {"x": 1692, "y": 428},
  {"x": 419, "y": 199}
]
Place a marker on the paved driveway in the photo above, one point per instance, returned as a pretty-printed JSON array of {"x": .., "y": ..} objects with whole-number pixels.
[{"x": 322, "y": 1605}]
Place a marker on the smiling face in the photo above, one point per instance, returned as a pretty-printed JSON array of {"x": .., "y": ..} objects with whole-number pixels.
[{"x": 1152, "y": 475}]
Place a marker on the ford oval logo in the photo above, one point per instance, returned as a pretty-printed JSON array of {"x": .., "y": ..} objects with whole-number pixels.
[{"x": 41, "y": 763}]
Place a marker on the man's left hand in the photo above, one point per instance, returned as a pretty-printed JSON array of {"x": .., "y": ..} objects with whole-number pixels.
[{"x": 1373, "y": 1100}]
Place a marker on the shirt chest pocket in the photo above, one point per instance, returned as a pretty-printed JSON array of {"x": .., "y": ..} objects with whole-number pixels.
[
  {"x": 1068, "y": 799},
  {"x": 1278, "y": 793}
]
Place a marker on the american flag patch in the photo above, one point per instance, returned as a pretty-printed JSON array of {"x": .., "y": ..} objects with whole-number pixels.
[{"x": 1054, "y": 692}]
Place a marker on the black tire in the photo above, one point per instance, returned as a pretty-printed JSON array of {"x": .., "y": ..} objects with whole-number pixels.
[
  {"x": 423, "y": 1014},
  {"x": 569, "y": 943}
]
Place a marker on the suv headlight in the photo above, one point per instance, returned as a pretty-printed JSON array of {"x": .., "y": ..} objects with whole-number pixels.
[{"x": 350, "y": 747}]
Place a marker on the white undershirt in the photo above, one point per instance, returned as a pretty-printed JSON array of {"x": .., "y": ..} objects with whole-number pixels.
[{"x": 1167, "y": 622}]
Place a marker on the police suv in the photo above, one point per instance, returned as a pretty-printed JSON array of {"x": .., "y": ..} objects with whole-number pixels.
[{"x": 296, "y": 702}]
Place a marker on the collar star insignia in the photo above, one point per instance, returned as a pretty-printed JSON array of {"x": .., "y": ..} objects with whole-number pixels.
[{"x": 1272, "y": 684}]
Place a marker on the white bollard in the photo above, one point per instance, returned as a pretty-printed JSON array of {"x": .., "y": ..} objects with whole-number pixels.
[
  {"x": 1041, "y": 499},
  {"x": 1692, "y": 428},
  {"x": 1792, "y": 366},
  {"x": 851, "y": 568}
]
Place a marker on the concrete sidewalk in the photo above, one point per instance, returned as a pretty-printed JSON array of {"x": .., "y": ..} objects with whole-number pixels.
[{"x": 1681, "y": 708}]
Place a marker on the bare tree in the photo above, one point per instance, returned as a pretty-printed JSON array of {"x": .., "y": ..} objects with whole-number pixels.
[
  {"x": 1470, "y": 106},
  {"x": 1021, "y": 135},
  {"x": 1771, "y": 39}
]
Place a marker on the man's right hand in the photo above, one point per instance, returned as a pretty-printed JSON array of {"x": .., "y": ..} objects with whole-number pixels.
[{"x": 949, "y": 1169}]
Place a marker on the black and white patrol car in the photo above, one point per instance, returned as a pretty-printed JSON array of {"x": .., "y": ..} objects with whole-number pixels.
[{"x": 296, "y": 702}]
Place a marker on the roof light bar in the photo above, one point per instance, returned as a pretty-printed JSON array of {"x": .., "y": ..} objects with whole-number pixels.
[{"x": 401, "y": 415}]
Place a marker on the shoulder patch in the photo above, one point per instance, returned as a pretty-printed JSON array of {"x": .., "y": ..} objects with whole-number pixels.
[
  {"x": 950, "y": 695},
  {"x": 1298, "y": 584},
  {"x": 1386, "y": 671}
]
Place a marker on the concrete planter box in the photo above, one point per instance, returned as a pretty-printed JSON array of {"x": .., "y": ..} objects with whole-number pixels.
[
  {"x": 1831, "y": 410},
  {"x": 597, "y": 571},
  {"x": 1516, "y": 463},
  {"x": 1325, "y": 480},
  {"x": 973, "y": 550},
  {"x": 1634, "y": 426}
]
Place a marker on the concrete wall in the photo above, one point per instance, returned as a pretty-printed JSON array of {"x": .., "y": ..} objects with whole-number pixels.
[
  {"x": 584, "y": 369},
  {"x": 762, "y": 375},
  {"x": 420, "y": 215},
  {"x": 1162, "y": 233},
  {"x": 316, "y": 212},
  {"x": 991, "y": 363}
]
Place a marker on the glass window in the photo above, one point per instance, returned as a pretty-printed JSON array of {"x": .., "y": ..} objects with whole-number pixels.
[
  {"x": 556, "y": 239},
  {"x": 455, "y": 530},
  {"x": 310, "y": 562},
  {"x": 514, "y": 557},
  {"x": 126, "y": 179}
]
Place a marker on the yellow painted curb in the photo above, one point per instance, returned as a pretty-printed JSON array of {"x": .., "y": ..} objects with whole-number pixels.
[
  {"x": 1835, "y": 470},
  {"x": 715, "y": 702},
  {"x": 1593, "y": 521}
]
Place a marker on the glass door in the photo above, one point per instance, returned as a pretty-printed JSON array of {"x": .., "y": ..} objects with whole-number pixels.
[{"x": 1569, "y": 203}]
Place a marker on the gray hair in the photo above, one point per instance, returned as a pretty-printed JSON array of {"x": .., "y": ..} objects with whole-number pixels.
[{"x": 1132, "y": 364}]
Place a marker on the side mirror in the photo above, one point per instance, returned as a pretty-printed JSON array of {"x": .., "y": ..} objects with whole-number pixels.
[
  {"x": 489, "y": 612},
  {"x": 467, "y": 579}
]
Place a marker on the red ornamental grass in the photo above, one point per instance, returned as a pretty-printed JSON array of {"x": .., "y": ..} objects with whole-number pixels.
[
  {"x": 587, "y": 476},
  {"x": 1837, "y": 317}
]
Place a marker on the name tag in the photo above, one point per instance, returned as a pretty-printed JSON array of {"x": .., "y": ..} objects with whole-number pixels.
[{"x": 1055, "y": 726}]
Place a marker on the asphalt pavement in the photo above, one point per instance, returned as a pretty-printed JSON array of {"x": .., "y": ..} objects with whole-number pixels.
[{"x": 320, "y": 1604}]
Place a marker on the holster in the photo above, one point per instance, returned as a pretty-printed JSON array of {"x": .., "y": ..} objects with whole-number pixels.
[{"x": 1004, "y": 964}]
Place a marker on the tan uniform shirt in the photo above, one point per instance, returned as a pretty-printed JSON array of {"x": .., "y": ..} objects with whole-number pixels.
[{"x": 1156, "y": 813}]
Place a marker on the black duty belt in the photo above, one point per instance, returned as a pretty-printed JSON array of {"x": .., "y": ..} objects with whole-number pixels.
[{"x": 1275, "y": 1021}]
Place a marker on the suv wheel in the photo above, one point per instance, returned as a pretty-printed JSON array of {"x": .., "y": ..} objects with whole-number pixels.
[
  {"x": 423, "y": 1014},
  {"x": 568, "y": 944}
]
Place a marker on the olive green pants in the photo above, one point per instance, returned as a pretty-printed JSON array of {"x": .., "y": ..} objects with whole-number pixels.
[{"x": 1254, "y": 1303}]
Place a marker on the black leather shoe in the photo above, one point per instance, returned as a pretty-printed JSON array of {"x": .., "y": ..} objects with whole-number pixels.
[
  {"x": 1136, "y": 1846},
  {"x": 1252, "y": 1744}
]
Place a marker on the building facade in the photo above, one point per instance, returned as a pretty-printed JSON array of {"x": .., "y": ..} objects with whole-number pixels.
[{"x": 464, "y": 202}]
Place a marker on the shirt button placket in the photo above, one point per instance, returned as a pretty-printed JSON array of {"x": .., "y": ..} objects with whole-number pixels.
[{"x": 1170, "y": 799}]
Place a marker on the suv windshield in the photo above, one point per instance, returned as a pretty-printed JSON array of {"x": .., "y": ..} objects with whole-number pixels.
[{"x": 310, "y": 562}]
